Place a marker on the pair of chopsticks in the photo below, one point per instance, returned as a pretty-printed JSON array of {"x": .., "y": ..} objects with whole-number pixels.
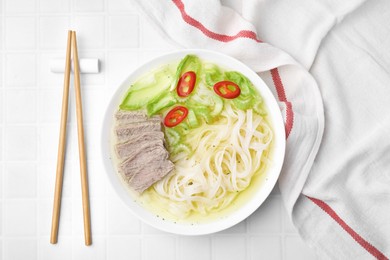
[{"x": 71, "y": 47}]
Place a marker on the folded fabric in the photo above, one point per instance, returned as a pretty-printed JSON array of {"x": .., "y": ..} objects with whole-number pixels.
[{"x": 342, "y": 207}]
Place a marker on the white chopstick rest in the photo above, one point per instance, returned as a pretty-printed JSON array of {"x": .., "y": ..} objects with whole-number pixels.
[{"x": 86, "y": 65}]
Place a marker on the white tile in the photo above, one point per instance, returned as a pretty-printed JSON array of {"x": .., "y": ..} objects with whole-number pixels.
[
  {"x": 20, "y": 249},
  {"x": 45, "y": 77},
  {"x": 45, "y": 211},
  {"x": 1, "y": 56},
  {"x": 20, "y": 180},
  {"x": 1, "y": 220},
  {"x": 20, "y": 6},
  {"x": 95, "y": 251},
  {"x": 54, "y": 6},
  {"x": 120, "y": 221},
  {"x": 229, "y": 247},
  {"x": 49, "y": 105},
  {"x": 89, "y": 32},
  {"x": 88, "y": 5},
  {"x": 239, "y": 228},
  {"x": 97, "y": 179},
  {"x": 92, "y": 138},
  {"x": 1, "y": 39},
  {"x": 94, "y": 105},
  {"x": 98, "y": 216},
  {"x": 267, "y": 218},
  {"x": 152, "y": 38},
  {"x": 149, "y": 230},
  {"x": 60, "y": 251},
  {"x": 124, "y": 248},
  {"x": 53, "y": 32},
  {"x": 1, "y": 143},
  {"x": 124, "y": 31},
  {"x": 46, "y": 179},
  {"x": 20, "y": 218},
  {"x": 265, "y": 247},
  {"x": 187, "y": 246},
  {"x": 48, "y": 138},
  {"x": 20, "y": 33},
  {"x": 297, "y": 249},
  {"x": 122, "y": 6},
  {"x": 120, "y": 65},
  {"x": 20, "y": 106},
  {"x": 20, "y": 69},
  {"x": 162, "y": 248},
  {"x": 21, "y": 143}
]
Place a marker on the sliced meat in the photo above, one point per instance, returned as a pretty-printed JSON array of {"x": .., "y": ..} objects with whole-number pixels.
[
  {"x": 127, "y": 131},
  {"x": 138, "y": 143},
  {"x": 146, "y": 177},
  {"x": 141, "y": 149},
  {"x": 139, "y": 160},
  {"x": 125, "y": 117}
]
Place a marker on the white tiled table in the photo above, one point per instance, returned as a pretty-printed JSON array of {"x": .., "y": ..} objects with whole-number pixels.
[{"x": 32, "y": 33}]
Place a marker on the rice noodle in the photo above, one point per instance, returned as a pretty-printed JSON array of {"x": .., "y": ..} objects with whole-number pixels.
[{"x": 229, "y": 153}]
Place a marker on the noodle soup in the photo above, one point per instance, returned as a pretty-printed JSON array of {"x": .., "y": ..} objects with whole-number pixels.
[{"x": 217, "y": 132}]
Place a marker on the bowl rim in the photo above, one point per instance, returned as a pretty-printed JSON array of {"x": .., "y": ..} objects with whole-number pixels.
[{"x": 244, "y": 211}]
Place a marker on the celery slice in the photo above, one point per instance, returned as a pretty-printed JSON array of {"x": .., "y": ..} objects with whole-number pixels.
[{"x": 165, "y": 100}]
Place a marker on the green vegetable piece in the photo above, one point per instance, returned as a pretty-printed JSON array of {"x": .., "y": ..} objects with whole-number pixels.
[
  {"x": 244, "y": 103},
  {"x": 259, "y": 108},
  {"x": 191, "y": 119},
  {"x": 242, "y": 81},
  {"x": 204, "y": 113},
  {"x": 165, "y": 100},
  {"x": 147, "y": 90},
  {"x": 173, "y": 137},
  {"x": 181, "y": 147},
  {"x": 212, "y": 74}
]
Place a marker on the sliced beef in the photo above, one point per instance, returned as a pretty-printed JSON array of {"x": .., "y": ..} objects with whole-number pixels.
[
  {"x": 146, "y": 177},
  {"x": 125, "y": 117},
  {"x": 128, "y": 131},
  {"x": 143, "y": 158},
  {"x": 138, "y": 142},
  {"x": 140, "y": 147}
]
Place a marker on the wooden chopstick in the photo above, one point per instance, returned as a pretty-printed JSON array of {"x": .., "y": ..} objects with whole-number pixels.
[
  {"x": 80, "y": 130},
  {"x": 61, "y": 146},
  {"x": 71, "y": 44}
]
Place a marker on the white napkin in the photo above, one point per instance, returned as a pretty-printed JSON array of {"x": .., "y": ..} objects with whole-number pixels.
[{"x": 342, "y": 208}]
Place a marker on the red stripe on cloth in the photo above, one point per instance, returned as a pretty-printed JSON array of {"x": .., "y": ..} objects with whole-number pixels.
[
  {"x": 216, "y": 36},
  {"x": 282, "y": 97},
  {"x": 360, "y": 240}
]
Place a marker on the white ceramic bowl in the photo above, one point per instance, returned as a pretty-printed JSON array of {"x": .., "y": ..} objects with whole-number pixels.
[{"x": 256, "y": 197}]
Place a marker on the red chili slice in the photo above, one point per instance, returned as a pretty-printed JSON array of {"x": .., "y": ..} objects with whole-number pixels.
[
  {"x": 227, "y": 89},
  {"x": 175, "y": 116},
  {"x": 186, "y": 84}
]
